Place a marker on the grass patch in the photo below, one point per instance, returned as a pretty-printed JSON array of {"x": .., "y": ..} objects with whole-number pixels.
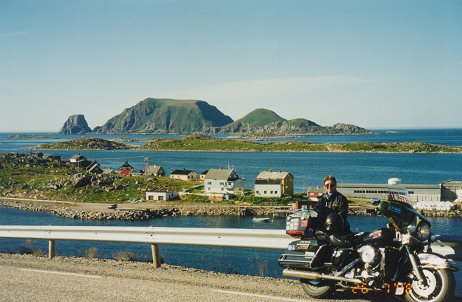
[
  {"x": 124, "y": 256},
  {"x": 90, "y": 253}
]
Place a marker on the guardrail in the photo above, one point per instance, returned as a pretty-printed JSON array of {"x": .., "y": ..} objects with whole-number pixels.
[
  {"x": 247, "y": 238},
  {"x": 244, "y": 238}
]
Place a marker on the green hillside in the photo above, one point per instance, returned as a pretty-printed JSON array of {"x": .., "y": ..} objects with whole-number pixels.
[{"x": 165, "y": 116}]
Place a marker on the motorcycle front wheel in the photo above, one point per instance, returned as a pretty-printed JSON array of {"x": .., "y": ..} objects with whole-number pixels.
[
  {"x": 440, "y": 287},
  {"x": 316, "y": 289}
]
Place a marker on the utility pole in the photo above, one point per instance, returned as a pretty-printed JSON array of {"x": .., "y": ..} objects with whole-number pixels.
[{"x": 146, "y": 164}]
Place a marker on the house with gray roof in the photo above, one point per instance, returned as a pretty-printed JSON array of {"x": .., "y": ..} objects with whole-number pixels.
[
  {"x": 274, "y": 184},
  {"x": 155, "y": 171},
  {"x": 79, "y": 160},
  {"x": 224, "y": 181},
  {"x": 184, "y": 174}
]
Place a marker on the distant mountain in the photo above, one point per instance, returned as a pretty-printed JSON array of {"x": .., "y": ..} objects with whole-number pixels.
[
  {"x": 268, "y": 122},
  {"x": 75, "y": 124},
  {"x": 166, "y": 116},
  {"x": 252, "y": 122},
  {"x": 193, "y": 116}
]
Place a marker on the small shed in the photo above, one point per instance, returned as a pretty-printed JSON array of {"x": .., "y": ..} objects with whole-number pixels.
[
  {"x": 94, "y": 168},
  {"x": 79, "y": 160},
  {"x": 315, "y": 192},
  {"x": 161, "y": 196},
  {"x": 109, "y": 171}
]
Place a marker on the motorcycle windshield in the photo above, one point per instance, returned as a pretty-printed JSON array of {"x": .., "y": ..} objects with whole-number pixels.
[{"x": 398, "y": 209}]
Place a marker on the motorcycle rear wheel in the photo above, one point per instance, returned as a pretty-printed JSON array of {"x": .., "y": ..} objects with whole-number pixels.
[
  {"x": 441, "y": 287},
  {"x": 316, "y": 289}
]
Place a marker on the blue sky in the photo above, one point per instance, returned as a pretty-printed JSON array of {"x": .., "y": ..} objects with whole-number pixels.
[{"x": 376, "y": 64}]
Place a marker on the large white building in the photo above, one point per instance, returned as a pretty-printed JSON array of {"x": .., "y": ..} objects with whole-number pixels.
[
  {"x": 417, "y": 192},
  {"x": 224, "y": 181}
]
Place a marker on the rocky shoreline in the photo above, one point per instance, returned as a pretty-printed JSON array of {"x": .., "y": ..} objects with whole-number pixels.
[
  {"x": 143, "y": 212},
  {"x": 136, "y": 213}
]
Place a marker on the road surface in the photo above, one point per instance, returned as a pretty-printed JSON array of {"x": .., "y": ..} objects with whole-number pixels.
[{"x": 35, "y": 279}]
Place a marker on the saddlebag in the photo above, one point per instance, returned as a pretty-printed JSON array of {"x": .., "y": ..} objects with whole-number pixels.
[
  {"x": 299, "y": 254},
  {"x": 297, "y": 223}
]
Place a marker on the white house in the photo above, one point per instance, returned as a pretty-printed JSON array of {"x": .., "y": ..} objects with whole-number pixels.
[
  {"x": 160, "y": 196},
  {"x": 224, "y": 181}
]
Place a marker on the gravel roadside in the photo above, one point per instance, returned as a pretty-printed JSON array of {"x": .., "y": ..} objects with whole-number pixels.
[{"x": 128, "y": 270}]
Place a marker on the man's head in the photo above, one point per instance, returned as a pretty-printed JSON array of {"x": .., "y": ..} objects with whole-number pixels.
[{"x": 330, "y": 183}]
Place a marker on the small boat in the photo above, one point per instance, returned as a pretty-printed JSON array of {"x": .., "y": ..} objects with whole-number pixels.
[{"x": 261, "y": 219}]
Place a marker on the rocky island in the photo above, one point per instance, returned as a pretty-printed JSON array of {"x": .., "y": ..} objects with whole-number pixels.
[{"x": 212, "y": 144}]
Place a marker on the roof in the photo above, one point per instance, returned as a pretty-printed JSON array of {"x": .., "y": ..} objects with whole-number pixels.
[
  {"x": 386, "y": 186},
  {"x": 183, "y": 172},
  {"x": 273, "y": 175},
  {"x": 316, "y": 190},
  {"x": 154, "y": 169},
  {"x": 126, "y": 171},
  {"x": 93, "y": 165},
  {"x": 78, "y": 156},
  {"x": 268, "y": 182},
  {"x": 226, "y": 174},
  {"x": 205, "y": 172},
  {"x": 126, "y": 165}
]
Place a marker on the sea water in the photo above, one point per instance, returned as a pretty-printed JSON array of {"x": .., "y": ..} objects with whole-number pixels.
[
  {"x": 248, "y": 261},
  {"x": 307, "y": 168}
]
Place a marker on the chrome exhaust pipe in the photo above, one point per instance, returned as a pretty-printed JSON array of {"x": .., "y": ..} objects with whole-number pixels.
[{"x": 315, "y": 276}]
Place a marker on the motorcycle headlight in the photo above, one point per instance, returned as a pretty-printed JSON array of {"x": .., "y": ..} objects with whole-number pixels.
[{"x": 423, "y": 231}]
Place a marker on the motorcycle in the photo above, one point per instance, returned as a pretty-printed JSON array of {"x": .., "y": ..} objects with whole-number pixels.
[{"x": 396, "y": 259}]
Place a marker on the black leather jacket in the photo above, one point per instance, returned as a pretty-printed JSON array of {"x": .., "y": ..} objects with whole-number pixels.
[{"x": 336, "y": 202}]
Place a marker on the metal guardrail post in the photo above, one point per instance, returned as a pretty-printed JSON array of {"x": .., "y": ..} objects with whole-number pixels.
[
  {"x": 51, "y": 248},
  {"x": 155, "y": 255}
]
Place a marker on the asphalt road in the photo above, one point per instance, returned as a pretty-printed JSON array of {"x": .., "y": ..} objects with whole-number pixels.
[{"x": 30, "y": 278}]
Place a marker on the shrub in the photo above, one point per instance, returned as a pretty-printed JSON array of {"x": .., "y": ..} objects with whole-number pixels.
[{"x": 124, "y": 256}]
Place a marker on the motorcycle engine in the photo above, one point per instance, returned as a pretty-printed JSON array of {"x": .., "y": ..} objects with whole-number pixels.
[
  {"x": 381, "y": 263},
  {"x": 372, "y": 258}
]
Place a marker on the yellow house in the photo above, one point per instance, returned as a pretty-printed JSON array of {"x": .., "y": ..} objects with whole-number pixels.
[{"x": 274, "y": 184}]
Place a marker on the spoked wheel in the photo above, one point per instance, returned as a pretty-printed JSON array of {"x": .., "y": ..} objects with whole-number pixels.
[
  {"x": 316, "y": 289},
  {"x": 440, "y": 287}
]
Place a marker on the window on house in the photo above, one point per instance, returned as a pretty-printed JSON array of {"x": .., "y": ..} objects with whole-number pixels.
[{"x": 265, "y": 192}]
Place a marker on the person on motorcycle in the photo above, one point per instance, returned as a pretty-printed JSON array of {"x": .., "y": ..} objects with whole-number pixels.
[{"x": 334, "y": 201}]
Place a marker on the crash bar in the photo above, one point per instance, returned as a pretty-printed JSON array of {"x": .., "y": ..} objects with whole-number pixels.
[{"x": 247, "y": 238}]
